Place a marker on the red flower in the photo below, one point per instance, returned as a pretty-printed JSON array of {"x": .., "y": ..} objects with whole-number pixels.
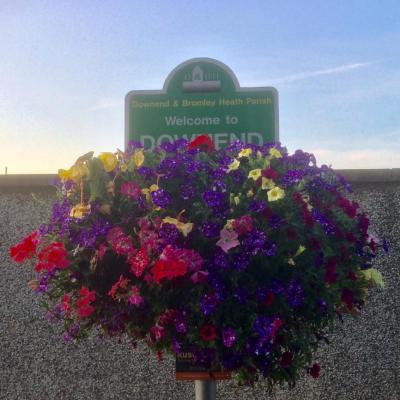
[
  {"x": 243, "y": 224},
  {"x": 54, "y": 256},
  {"x": 25, "y": 249},
  {"x": 269, "y": 173},
  {"x": 83, "y": 303},
  {"x": 168, "y": 269},
  {"x": 269, "y": 299},
  {"x": 208, "y": 332},
  {"x": 202, "y": 142},
  {"x": 314, "y": 371},
  {"x": 287, "y": 359},
  {"x": 170, "y": 265},
  {"x": 86, "y": 311},
  {"x": 65, "y": 302},
  {"x": 330, "y": 272},
  {"x": 352, "y": 276}
]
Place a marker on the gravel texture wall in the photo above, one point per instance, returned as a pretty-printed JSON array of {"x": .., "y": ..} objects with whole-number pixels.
[{"x": 362, "y": 362}]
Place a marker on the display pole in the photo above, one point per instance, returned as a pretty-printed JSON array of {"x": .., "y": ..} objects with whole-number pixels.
[{"x": 205, "y": 390}]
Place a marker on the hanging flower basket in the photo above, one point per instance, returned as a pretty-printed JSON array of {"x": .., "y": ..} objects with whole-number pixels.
[{"x": 244, "y": 256}]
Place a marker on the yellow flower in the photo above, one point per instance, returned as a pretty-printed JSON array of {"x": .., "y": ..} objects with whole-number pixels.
[
  {"x": 153, "y": 188},
  {"x": 255, "y": 174},
  {"x": 109, "y": 161},
  {"x": 64, "y": 174},
  {"x": 245, "y": 153},
  {"x": 138, "y": 157},
  {"x": 274, "y": 153},
  {"x": 123, "y": 167},
  {"x": 79, "y": 211},
  {"x": 228, "y": 224},
  {"x": 185, "y": 228},
  {"x": 233, "y": 165},
  {"x": 300, "y": 250},
  {"x": 105, "y": 209},
  {"x": 146, "y": 192},
  {"x": 267, "y": 183},
  {"x": 250, "y": 193},
  {"x": 275, "y": 194},
  {"x": 78, "y": 171}
]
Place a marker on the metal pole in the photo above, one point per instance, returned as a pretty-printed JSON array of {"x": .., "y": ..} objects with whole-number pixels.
[{"x": 205, "y": 390}]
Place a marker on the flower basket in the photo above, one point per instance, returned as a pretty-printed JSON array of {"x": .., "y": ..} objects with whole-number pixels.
[{"x": 243, "y": 257}]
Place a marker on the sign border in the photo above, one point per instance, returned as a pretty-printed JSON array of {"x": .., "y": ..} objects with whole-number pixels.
[{"x": 130, "y": 95}]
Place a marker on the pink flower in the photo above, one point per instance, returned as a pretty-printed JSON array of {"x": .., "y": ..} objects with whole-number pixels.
[
  {"x": 131, "y": 189},
  {"x": 139, "y": 262},
  {"x": 135, "y": 298},
  {"x": 101, "y": 251},
  {"x": 228, "y": 240},
  {"x": 122, "y": 283},
  {"x": 121, "y": 243},
  {"x": 199, "y": 277},
  {"x": 158, "y": 332}
]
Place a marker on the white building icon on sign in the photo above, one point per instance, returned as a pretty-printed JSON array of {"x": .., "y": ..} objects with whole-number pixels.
[{"x": 198, "y": 84}]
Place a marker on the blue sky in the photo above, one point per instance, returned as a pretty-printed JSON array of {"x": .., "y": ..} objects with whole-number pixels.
[{"x": 66, "y": 67}]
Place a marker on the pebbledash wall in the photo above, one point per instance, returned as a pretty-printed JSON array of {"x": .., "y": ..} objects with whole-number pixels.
[{"x": 362, "y": 362}]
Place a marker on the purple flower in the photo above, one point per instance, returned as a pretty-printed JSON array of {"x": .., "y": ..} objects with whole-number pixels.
[
  {"x": 326, "y": 223},
  {"x": 257, "y": 205},
  {"x": 241, "y": 295},
  {"x": 208, "y": 303},
  {"x": 204, "y": 357},
  {"x": 180, "y": 326},
  {"x": 220, "y": 259},
  {"x": 169, "y": 233},
  {"x": 270, "y": 249},
  {"x": 214, "y": 199},
  {"x": 145, "y": 172},
  {"x": 238, "y": 177},
  {"x": 134, "y": 144},
  {"x": 228, "y": 337},
  {"x": 275, "y": 221},
  {"x": 160, "y": 198},
  {"x": 194, "y": 166},
  {"x": 255, "y": 240},
  {"x": 293, "y": 176},
  {"x": 295, "y": 294},
  {"x": 187, "y": 191},
  {"x": 241, "y": 260},
  {"x": 210, "y": 229},
  {"x": 168, "y": 167}
]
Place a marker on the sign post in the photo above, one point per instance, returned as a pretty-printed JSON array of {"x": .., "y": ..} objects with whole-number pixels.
[{"x": 202, "y": 96}]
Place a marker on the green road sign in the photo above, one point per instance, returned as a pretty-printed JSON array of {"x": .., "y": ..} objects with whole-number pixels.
[{"x": 202, "y": 96}]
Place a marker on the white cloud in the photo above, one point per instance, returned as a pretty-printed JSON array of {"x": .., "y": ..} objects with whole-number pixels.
[{"x": 311, "y": 74}]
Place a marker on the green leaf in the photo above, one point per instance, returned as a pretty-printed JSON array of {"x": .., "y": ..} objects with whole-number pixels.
[
  {"x": 97, "y": 180},
  {"x": 372, "y": 274}
]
